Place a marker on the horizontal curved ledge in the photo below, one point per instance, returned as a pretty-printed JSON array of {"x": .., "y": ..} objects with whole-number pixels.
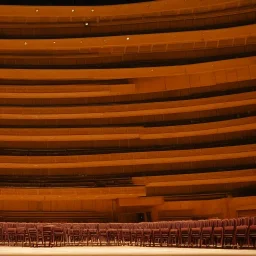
[
  {"x": 126, "y": 73},
  {"x": 124, "y": 159},
  {"x": 161, "y": 179},
  {"x": 211, "y": 134},
  {"x": 57, "y": 13},
  {"x": 131, "y": 166},
  {"x": 135, "y": 117},
  {"x": 122, "y": 25},
  {"x": 209, "y": 182},
  {"x": 173, "y": 42},
  {"x": 120, "y": 110},
  {"x": 56, "y": 132},
  {"x": 70, "y": 193},
  {"x": 139, "y": 91}
]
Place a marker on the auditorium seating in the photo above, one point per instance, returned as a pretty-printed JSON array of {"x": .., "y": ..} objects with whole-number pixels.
[
  {"x": 126, "y": 125},
  {"x": 226, "y": 233},
  {"x": 152, "y": 17}
]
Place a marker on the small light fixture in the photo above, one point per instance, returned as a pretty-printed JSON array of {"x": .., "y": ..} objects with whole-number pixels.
[
  {"x": 86, "y": 24},
  {"x": 81, "y": 42},
  {"x": 54, "y": 42},
  {"x": 37, "y": 10},
  {"x": 128, "y": 38},
  {"x": 25, "y": 43},
  {"x": 92, "y": 10},
  {"x": 73, "y": 10}
]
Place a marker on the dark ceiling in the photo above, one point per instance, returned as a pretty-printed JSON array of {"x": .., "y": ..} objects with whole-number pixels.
[{"x": 69, "y": 2}]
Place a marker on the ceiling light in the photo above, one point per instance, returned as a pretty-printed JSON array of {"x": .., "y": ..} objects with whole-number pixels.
[
  {"x": 73, "y": 10},
  {"x": 127, "y": 38},
  {"x": 92, "y": 10},
  {"x": 36, "y": 10},
  {"x": 86, "y": 24}
]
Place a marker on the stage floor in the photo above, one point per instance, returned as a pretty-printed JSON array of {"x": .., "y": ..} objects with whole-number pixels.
[{"x": 121, "y": 251}]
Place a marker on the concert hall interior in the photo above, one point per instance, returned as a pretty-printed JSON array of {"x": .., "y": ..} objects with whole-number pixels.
[{"x": 128, "y": 123}]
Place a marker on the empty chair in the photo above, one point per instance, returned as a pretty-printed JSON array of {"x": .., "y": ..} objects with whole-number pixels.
[
  {"x": 207, "y": 233},
  {"x": 114, "y": 234},
  {"x": 34, "y": 237},
  {"x": 156, "y": 233},
  {"x": 229, "y": 227},
  {"x": 47, "y": 235},
  {"x": 174, "y": 236},
  {"x": 165, "y": 228},
  {"x": 103, "y": 233},
  {"x": 2, "y": 234},
  {"x": 252, "y": 232},
  {"x": 185, "y": 233},
  {"x": 12, "y": 236},
  {"x": 75, "y": 234},
  {"x": 21, "y": 235},
  {"x": 93, "y": 233},
  {"x": 126, "y": 234},
  {"x": 58, "y": 235},
  {"x": 217, "y": 233},
  {"x": 195, "y": 233},
  {"x": 241, "y": 232}
]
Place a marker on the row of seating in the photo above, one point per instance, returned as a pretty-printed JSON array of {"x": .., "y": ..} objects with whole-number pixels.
[
  {"x": 90, "y": 52},
  {"x": 162, "y": 89},
  {"x": 172, "y": 137},
  {"x": 154, "y": 161},
  {"x": 144, "y": 18},
  {"x": 234, "y": 233}
]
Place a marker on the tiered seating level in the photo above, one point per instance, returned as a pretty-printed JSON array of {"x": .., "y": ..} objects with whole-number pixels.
[
  {"x": 176, "y": 141},
  {"x": 234, "y": 233}
]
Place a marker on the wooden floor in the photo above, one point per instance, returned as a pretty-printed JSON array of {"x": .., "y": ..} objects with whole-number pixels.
[{"x": 121, "y": 251}]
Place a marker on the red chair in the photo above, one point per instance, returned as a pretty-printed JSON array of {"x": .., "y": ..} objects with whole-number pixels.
[
  {"x": 114, "y": 234},
  {"x": 229, "y": 227},
  {"x": 47, "y": 235},
  {"x": 126, "y": 234},
  {"x": 217, "y": 233},
  {"x": 34, "y": 237},
  {"x": 93, "y": 234},
  {"x": 58, "y": 235},
  {"x": 155, "y": 233},
  {"x": 2, "y": 237},
  {"x": 75, "y": 236},
  {"x": 241, "y": 233},
  {"x": 185, "y": 233},
  {"x": 174, "y": 238},
  {"x": 252, "y": 233},
  {"x": 12, "y": 236},
  {"x": 195, "y": 233},
  {"x": 207, "y": 233},
  {"x": 103, "y": 233},
  {"x": 165, "y": 228}
]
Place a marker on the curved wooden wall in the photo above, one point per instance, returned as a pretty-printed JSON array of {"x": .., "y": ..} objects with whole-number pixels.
[
  {"x": 22, "y": 22},
  {"x": 144, "y": 109}
]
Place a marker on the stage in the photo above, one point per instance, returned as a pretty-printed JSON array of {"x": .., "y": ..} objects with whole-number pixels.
[{"x": 121, "y": 251}]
